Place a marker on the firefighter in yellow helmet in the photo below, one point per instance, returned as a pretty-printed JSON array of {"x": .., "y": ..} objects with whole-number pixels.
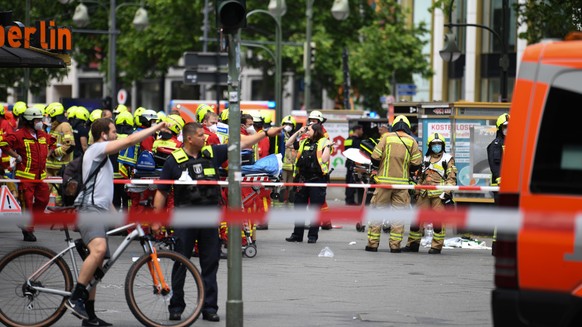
[
  {"x": 168, "y": 139},
  {"x": 78, "y": 118},
  {"x": 496, "y": 148},
  {"x": 438, "y": 168},
  {"x": 62, "y": 132},
  {"x": 495, "y": 151},
  {"x": 288, "y": 152},
  {"x": 124, "y": 127},
  {"x": 395, "y": 155}
]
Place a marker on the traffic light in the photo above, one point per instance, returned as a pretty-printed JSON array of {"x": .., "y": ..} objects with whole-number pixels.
[
  {"x": 309, "y": 55},
  {"x": 231, "y": 15}
]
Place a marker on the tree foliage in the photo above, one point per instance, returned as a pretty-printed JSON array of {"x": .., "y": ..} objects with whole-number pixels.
[
  {"x": 379, "y": 41},
  {"x": 549, "y": 19}
]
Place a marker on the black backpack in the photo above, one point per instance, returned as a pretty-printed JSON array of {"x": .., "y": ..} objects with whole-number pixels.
[{"x": 73, "y": 184}]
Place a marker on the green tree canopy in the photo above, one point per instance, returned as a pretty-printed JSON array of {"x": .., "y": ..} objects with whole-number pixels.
[
  {"x": 549, "y": 19},
  {"x": 379, "y": 39}
]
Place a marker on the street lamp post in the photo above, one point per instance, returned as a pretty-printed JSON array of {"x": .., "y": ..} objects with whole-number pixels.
[
  {"x": 451, "y": 51},
  {"x": 340, "y": 11},
  {"x": 307, "y": 80},
  {"x": 140, "y": 22}
]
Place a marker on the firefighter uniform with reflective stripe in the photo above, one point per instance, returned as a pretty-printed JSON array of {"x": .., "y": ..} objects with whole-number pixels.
[
  {"x": 436, "y": 171},
  {"x": 181, "y": 166},
  {"x": 34, "y": 150},
  {"x": 63, "y": 153},
  {"x": 397, "y": 153}
]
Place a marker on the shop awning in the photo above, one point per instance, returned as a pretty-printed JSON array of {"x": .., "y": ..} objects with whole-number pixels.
[{"x": 31, "y": 58}]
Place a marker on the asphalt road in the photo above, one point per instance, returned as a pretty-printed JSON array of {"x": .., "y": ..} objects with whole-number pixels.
[{"x": 287, "y": 284}]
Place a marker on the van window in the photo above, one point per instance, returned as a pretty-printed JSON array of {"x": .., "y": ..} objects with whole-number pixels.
[{"x": 557, "y": 165}]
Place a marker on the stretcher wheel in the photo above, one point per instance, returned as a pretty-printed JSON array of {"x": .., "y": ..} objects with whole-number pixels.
[
  {"x": 250, "y": 251},
  {"x": 274, "y": 195},
  {"x": 360, "y": 227}
]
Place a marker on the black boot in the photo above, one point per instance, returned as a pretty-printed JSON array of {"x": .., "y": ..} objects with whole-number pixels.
[
  {"x": 293, "y": 238},
  {"x": 28, "y": 236},
  {"x": 411, "y": 248},
  {"x": 434, "y": 251},
  {"x": 371, "y": 249}
]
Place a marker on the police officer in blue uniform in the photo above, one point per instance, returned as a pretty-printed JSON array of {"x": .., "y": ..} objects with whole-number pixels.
[{"x": 200, "y": 163}]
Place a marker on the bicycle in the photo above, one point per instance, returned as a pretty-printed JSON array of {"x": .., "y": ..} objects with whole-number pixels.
[{"x": 42, "y": 281}]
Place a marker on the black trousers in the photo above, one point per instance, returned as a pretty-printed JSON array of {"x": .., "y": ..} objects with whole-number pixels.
[
  {"x": 315, "y": 197},
  {"x": 120, "y": 197},
  {"x": 354, "y": 196},
  {"x": 209, "y": 251}
]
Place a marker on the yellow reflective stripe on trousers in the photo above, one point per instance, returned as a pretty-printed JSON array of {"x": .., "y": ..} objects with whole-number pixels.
[
  {"x": 439, "y": 236},
  {"x": 396, "y": 237},
  {"x": 414, "y": 235}
]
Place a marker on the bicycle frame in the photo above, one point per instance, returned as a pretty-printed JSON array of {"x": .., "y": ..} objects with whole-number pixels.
[{"x": 137, "y": 233}]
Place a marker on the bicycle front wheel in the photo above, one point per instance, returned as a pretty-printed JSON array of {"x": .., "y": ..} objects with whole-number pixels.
[
  {"x": 21, "y": 304},
  {"x": 150, "y": 305}
]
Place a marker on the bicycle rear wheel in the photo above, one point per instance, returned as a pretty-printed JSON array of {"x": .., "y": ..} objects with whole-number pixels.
[
  {"x": 149, "y": 306},
  {"x": 20, "y": 304}
]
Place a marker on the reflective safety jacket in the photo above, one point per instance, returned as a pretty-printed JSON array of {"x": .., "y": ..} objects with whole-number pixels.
[
  {"x": 201, "y": 168},
  {"x": 5, "y": 129},
  {"x": 396, "y": 152},
  {"x": 442, "y": 172},
  {"x": 65, "y": 145},
  {"x": 290, "y": 155},
  {"x": 310, "y": 158},
  {"x": 33, "y": 149}
]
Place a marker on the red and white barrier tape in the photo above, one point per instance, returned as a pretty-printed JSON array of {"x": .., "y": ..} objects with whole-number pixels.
[
  {"x": 474, "y": 219},
  {"x": 250, "y": 183}
]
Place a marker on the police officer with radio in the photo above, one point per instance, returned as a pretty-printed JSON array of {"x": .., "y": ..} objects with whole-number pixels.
[
  {"x": 311, "y": 166},
  {"x": 195, "y": 161}
]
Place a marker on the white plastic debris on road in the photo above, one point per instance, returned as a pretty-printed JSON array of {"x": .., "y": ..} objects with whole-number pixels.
[
  {"x": 326, "y": 253},
  {"x": 457, "y": 243}
]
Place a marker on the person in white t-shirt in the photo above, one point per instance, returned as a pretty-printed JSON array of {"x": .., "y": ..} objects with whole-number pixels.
[{"x": 97, "y": 197}]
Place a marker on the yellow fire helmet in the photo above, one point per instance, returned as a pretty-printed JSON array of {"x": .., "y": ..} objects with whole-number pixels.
[
  {"x": 161, "y": 116},
  {"x": 224, "y": 115},
  {"x": 124, "y": 117},
  {"x": 95, "y": 114},
  {"x": 19, "y": 108},
  {"x": 81, "y": 113},
  {"x": 54, "y": 109},
  {"x": 201, "y": 111},
  {"x": 502, "y": 120},
  {"x": 436, "y": 137},
  {"x": 176, "y": 123},
  {"x": 119, "y": 109},
  {"x": 289, "y": 120},
  {"x": 138, "y": 112},
  {"x": 401, "y": 118}
]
